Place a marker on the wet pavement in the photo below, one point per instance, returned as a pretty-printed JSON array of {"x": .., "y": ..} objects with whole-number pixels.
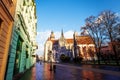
[
  {"x": 69, "y": 72},
  {"x": 87, "y": 73},
  {"x": 109, "y": 68},
  {"x": 29, "y": 74},
  {"x": 102, "y": 67}
]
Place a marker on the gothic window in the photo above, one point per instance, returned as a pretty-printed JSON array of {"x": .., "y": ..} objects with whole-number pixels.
[
  {"x": 85, "y": 53},
  {"x": 84, "y": 49}
]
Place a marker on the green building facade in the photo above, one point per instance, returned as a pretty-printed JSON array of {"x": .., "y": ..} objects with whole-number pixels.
[{"x": 23, "y": 43}]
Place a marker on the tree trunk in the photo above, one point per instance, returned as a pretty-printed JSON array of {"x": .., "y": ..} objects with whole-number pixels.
[{"x": 116, "y": 56}]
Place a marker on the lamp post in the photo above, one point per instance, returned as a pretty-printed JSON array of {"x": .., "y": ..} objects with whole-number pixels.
[{"x": 75, "y": 47}]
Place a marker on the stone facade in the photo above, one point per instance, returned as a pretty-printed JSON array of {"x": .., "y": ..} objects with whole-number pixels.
[{"x": 7, "y": 8}]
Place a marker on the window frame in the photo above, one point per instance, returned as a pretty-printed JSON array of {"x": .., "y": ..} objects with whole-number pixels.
[
  {"x": 10, "y": 1},
  {"x": 1, "y": 21}
]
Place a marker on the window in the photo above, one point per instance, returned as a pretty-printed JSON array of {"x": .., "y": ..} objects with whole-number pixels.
[
  {"x": 1, "y": 23},
  {"x": 10, "y": 1},
  {"x": 24, "y": 3}
]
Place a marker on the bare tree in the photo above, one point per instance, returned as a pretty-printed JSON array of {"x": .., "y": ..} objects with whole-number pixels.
[
  {"x": 96, "y": 32},
  {"x": 116, "y": 33},
  {"x": 110, "y": 21}
]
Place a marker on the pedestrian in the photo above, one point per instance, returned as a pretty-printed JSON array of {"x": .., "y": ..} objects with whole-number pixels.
[
  {"x": 40, "y": 62},
  {"x": 54, "y": 68},
  {"x": 37, "y": 58}
]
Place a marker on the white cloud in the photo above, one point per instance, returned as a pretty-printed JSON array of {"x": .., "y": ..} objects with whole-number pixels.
[
  {"x": 69, "y": 34},
  {"x": 43, "y": 36},
  {"x": 57, "y": 34},
  {"x": 117, "y": 14}
]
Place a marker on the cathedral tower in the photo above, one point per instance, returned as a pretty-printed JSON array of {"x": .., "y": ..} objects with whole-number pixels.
[
  {"x": 62, "y": 40},
  {"x": 52, "y": 36}
]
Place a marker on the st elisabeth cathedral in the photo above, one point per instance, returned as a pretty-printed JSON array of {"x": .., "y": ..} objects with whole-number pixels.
[{"x": 54, "y": 48}]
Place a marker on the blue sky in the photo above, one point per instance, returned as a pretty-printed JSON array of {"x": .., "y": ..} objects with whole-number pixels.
[{"x": 68, "y": 15}]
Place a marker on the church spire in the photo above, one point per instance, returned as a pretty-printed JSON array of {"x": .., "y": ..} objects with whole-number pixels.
[
  {"x": 52, "y": 36},
  {"x": 62, "y": 40},
  {"x": 62, "y": 34}
]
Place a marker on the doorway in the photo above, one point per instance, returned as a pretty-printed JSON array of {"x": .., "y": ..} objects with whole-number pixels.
[{"x": 18, "y": 56}]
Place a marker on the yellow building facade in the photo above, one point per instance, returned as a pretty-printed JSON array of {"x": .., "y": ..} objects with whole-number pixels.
[{"x": 7, "y": 8}]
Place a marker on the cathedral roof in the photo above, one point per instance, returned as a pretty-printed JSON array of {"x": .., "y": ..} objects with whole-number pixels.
[
  {"x": 80, "y": 40},
  {"x": 54, "y": 41},
  {"x": 84, "y": 40},
  {"x": 69, "y": 40}
]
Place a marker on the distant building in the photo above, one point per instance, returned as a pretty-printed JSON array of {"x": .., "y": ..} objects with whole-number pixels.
[
  {"x": 84, "y": 47},
  {"x": 108, "y": 50},
  {"x": 116, "y": 44}
]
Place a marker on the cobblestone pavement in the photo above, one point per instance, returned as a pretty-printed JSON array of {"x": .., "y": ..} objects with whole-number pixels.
[{"x": 69, "y": 72}]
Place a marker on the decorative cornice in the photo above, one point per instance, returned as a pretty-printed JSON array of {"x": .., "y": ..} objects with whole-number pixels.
[{"x": 23, "y": 24}]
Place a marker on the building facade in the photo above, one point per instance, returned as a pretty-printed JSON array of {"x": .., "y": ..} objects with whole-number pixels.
[
  {"x": 23, "y": 43},
  {"x": 7, "y": 9},
  {"x": 84, "y": 47}
]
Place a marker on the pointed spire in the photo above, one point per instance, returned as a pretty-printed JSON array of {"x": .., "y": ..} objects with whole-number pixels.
[
  {"x": 62, "y": 34},
  {"x": 52, "y": 36},
  {"x": 52, "y": 32}
]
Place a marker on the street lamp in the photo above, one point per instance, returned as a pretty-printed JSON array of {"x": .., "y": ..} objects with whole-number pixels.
[{"x": 75, "y": 47}]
